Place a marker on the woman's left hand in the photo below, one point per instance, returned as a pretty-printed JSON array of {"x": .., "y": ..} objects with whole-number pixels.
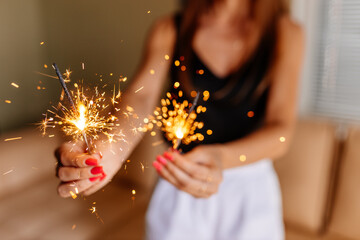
[{"x": 198, "y": 172}]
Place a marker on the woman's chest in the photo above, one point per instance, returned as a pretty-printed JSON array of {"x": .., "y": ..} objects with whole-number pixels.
[{"x": 223, "y": 52}]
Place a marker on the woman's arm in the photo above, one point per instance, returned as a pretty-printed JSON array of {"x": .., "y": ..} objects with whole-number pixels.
[
  {"x": 272, "y": 140},
  {"x": 84, "y": 173},
  {"x": 150, "y": 79}
]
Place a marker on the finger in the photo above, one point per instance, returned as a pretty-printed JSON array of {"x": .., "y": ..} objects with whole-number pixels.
[
  {"x": 187, "y": 183},
  {"x": 74, "y": 155},
  {"x": 67, "y": 189},
  {"x": 197, "y": 155},
  {"x": 193, "y": 169},
  {"x": 164, "y": 173},
  {"x": 66, "y": 174},
  {"x": 98, "y": 185}
]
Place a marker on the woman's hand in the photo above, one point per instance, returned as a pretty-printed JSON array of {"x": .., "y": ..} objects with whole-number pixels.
[
  {"x": 84, "y": 173},
  {"x": 198, "y": 172}
]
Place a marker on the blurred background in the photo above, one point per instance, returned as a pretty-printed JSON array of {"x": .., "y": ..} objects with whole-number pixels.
[{"x": 319, "y": 176}]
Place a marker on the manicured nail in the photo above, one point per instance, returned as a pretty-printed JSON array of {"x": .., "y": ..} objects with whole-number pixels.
[
  {"x": 93, "y": 179},
  {"x": 161, "y": 160},
  {"x": 91, "y": 162},
  {"x": 97, "y": 170},
  {"x": 169, "y": 156},
  {"x": 103, "y": 176},
  {"x": 157, "y": 166}
]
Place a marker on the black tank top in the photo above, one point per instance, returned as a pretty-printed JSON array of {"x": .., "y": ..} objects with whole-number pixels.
[{"x": 228, "y": 119}]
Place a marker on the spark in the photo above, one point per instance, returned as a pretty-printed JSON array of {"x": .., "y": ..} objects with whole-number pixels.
[
  {"x": 154, "y": 144},
  {"x": 139, "y": 89},
  {"x": 206, "y": 95},
  {"x": 67, "y": 75},
  {"x": 282, "y": 139},
  {"x": 73, "y": 195},
  {"x": 92, "y": 209},
  {"x": 8, "y": 101},
  {"x": 83, "y": 66},
  {"x": 42, "y": 43},
  {"x": 152, "y": 71},
  {"x": 46, "y": 75},
  {"x": 142, "y": 167},
  {"x": 193, "y": 94},
  {"x": 12, "y": 139},
  {"x": 176, "y": 120},
  {"x": 45, "y": 66},
  {"x": 148, "y": 11},
  {"x": 242, "y": 158},
  {"x": 134, "y": 130},
  {"x": 250, "y": 114},
  {"x": 15, "y": 85},
  {"x": 10, "y": 171},
  {"x": 133, "y": 192},
  {"x": 167, "y": 57}
]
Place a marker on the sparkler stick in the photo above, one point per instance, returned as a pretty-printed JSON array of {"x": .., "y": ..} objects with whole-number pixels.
[
  {"x": 69, "y": 97},
  {"x": 194, "y": 103}
]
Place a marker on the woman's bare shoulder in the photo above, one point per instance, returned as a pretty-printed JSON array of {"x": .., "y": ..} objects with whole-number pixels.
[
  {"x": 289, "y": 30},
  {"x": 163, "y": 33}
]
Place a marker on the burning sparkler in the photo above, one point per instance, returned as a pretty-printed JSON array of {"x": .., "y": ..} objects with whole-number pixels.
[
  {"x": 178, "y": 123},
  {"x": 80, "y": 121},
  {"x": 86, "y": 117}
]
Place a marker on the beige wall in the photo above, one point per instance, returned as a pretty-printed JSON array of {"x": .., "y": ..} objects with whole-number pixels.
[
  {"x": 107, "y": 35},
  {"x": 20, "y": 54}
]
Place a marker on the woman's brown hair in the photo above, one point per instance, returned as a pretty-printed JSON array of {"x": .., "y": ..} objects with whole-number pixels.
[{"x": 264, "y": 13}]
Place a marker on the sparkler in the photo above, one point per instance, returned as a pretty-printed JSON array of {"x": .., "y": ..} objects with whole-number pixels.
[
  {"x": 80, "y": 123},
  {"x": 180, "y": 132},
  {"x": 178, "y": 123},
  {"x": 86, "y": 117}
]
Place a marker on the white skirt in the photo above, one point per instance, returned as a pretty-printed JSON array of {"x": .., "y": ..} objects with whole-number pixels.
[{"x": 247, "y": 206}]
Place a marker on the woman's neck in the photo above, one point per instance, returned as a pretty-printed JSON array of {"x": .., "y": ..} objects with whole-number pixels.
[{"x": 231, "y": 11}]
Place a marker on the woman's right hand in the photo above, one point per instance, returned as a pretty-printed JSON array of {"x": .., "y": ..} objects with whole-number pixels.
[{"x": 84, "y": 173}]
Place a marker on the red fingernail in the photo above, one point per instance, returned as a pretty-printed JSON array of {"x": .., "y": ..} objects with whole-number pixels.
[
  {"x": 157, "y": 166},
  {"x": 97, "y": 170},
  {"x": 103, "y": 176},
  {"x": 169, "y": 156},
  {"x": 91, "y": 162},
  {"x": 161, "y": 159},
  {"x": 93, "y": 179}
]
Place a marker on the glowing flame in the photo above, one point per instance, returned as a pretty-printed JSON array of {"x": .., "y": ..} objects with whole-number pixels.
[
  {"x": 80, "y": 123},
  {"x": 179, "y": 133}
]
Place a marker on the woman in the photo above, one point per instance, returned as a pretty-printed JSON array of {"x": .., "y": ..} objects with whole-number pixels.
[{"x": 248, "y": 55}]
